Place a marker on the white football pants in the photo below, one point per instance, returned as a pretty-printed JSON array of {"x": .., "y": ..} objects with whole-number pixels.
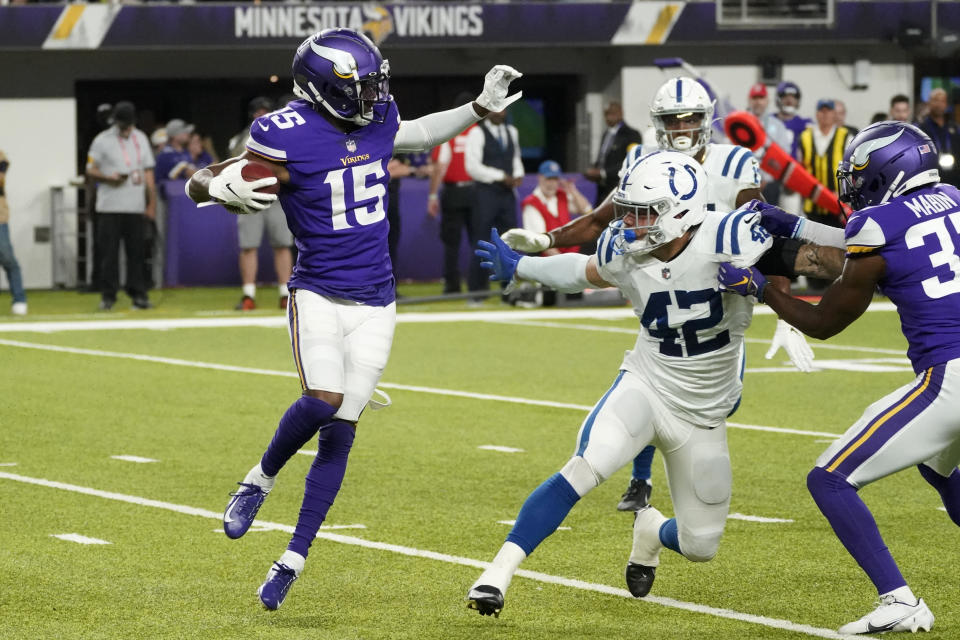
[
  {"x": 628, "y": 418},
  {"x": 919, "y": 422},
  {"x": 340, "y": 346}
]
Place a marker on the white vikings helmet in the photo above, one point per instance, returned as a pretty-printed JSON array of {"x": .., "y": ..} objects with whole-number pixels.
[
  {"x": 682, "y": 113},
  {"x": 659, "y": 197}
]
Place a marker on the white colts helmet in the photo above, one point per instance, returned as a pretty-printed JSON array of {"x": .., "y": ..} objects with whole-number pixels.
[
  {"x": 660, "y": 197},
  {"x": 679, "y": 100}
]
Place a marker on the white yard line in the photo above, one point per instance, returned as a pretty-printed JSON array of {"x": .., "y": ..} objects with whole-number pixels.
[
  {"x": 79, "y": 539},
  {"x": 740, "y": 516},
  {"x": 618, "y": 313},
  {"x": 443, "y": 557},
  {"x": 386, "y": 385},
  {"x": 139, "y": 459},
  {"x": 594, "y": 327},
  {"x": 502, "y": 449},
  {"x": 8, "y": 464}
]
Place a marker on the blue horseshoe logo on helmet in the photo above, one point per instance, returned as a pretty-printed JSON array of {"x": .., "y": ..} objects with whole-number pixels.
[{"x": 673, "y": 186}]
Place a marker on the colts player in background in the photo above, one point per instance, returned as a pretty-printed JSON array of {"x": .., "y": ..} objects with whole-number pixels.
[
  {"x": 902, "y": 238},
  {"x": 329, "y": 152},
  {"x": 682, "y": 113}
]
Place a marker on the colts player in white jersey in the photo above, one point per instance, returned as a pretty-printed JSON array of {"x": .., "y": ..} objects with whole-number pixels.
[
  {"x": 674, "y": 389},
  {"x": 682, "y": 113}
]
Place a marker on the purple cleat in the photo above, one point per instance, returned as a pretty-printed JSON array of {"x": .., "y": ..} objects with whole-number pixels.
[{"x": 242, "y": 509}]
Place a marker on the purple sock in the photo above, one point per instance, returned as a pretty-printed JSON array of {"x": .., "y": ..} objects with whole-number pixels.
[
  {"x": 296, "y": 428},
  {"x": 948, "y": 488},
  {"x": 323, "y": 482},
  {"x": 855, "y": 527}
]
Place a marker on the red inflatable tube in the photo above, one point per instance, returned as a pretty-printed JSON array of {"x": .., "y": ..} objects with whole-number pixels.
[{"x": 744, "y": 129}]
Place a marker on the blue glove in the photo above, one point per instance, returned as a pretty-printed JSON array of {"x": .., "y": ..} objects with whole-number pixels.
[
  {"x": 745, "y": 282},
  {"x": 498, "y": 258},
  {"x": 775, "y": 220}
]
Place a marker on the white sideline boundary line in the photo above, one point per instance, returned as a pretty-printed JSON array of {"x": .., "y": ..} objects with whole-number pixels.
[
  {"x": 776, "y": 623},
  {"x": 413, "y": 317},
  {"x": 385, "y": 385}
]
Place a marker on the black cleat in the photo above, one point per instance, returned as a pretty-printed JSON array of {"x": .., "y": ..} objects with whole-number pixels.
[
  {"x": 636, "y": 497},
  {"x": 640, "y": 579},
  {"x": 485, "y": 600}
]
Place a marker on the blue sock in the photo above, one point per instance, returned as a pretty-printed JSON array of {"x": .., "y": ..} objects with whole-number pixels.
[
  {"x": 948, "y": 488},
  {"x": 322, "y": 483},
  {"x": 543, "y": 512},
  {"x": 297, "y": 426},
  {"x": 855, "y": 527},
  {"x": 669, "y": 536},
  {"x": 642, "y": 463}
]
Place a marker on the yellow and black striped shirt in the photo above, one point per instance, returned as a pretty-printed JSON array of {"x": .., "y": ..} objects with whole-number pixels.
[{"x": 823, "y": 167}]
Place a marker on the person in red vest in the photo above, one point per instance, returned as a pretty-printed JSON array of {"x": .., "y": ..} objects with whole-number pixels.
[
  {"x": 549, "y": 206},
  {"x": 552, "y": 203},
  {"x": 454, "y": 204}
]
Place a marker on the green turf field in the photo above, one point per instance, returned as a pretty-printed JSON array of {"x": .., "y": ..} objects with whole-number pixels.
[{"x": 423, "y": 502}]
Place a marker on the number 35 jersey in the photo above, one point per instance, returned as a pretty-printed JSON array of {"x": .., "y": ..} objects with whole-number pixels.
[
  {"x": 690, "y": 345},
  {"x": 336, "y": 200},
  {"x": 918, "y": 236}
]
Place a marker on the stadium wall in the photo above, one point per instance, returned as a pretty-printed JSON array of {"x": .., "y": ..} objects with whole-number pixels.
[{"x": 39, "y": 138}]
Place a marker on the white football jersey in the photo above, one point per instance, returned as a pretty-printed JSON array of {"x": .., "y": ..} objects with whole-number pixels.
[
  {"x": 730, "y": 169},
  {"x": 690, "y": 345}
]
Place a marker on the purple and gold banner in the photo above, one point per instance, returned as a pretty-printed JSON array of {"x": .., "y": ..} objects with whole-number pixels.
[{"x": 434, "y": 24}]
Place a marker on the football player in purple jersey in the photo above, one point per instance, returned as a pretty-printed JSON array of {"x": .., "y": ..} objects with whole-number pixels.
[
  {"x": 329, "y": 152},
  {"x": 904, "y": 237}
]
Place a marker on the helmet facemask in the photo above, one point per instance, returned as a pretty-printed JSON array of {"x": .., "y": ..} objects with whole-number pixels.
[
  {"x": 637, "y": 225},
  {"x": 344, "y": 73},
  {"x": 684, "y": 131}
]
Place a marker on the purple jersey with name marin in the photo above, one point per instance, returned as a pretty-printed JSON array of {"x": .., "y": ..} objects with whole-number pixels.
[
  {"x": 336, "y": 200},
  {"x": 918, "y": 236}
]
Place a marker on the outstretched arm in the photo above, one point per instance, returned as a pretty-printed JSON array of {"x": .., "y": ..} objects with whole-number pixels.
[
  {"x": 581, "y": 230},
  {"x": 435, "y": 128},
  {"x": 567, "y": 272},
  {"x": 842, "y": 303}
]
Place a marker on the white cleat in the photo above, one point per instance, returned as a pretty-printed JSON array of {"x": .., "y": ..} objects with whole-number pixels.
[
  {"x": 893, "y": 615},
  {"x": 646, "y": 537},
  {"x": 19, "y": 309}
]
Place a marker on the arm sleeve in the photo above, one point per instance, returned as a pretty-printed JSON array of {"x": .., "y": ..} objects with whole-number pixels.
[
  {"x": 780, "y": 259},
  {"x": 517, "y": 162},
  {"x": 434, "y": 128},
  {"x": 473, "y": 159},
  {"x": 822, "y": 234},
  {"x": 566, "y": 272},
  {"x": 533, "y": 221}
]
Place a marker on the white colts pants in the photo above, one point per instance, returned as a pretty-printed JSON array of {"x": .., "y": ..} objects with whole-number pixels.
[
  {"x": 340, "y": 346},
  {"x": 628, "y": 418}
]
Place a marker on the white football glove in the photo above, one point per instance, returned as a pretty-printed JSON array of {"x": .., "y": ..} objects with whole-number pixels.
[
  {"x": 495, "y": 87},
  {"x": 794, "y": 343},
  {"x": 526, "y": 241},
  {"x": 233, "y": 192}
]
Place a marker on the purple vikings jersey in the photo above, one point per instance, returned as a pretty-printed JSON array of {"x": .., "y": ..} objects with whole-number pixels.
[
  {"x": 336, "y": 200},
  {"x": 918, "y": 235}
]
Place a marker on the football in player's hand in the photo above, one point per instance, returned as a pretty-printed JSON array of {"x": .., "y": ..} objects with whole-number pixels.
[{"x": 254, "y": 170}]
